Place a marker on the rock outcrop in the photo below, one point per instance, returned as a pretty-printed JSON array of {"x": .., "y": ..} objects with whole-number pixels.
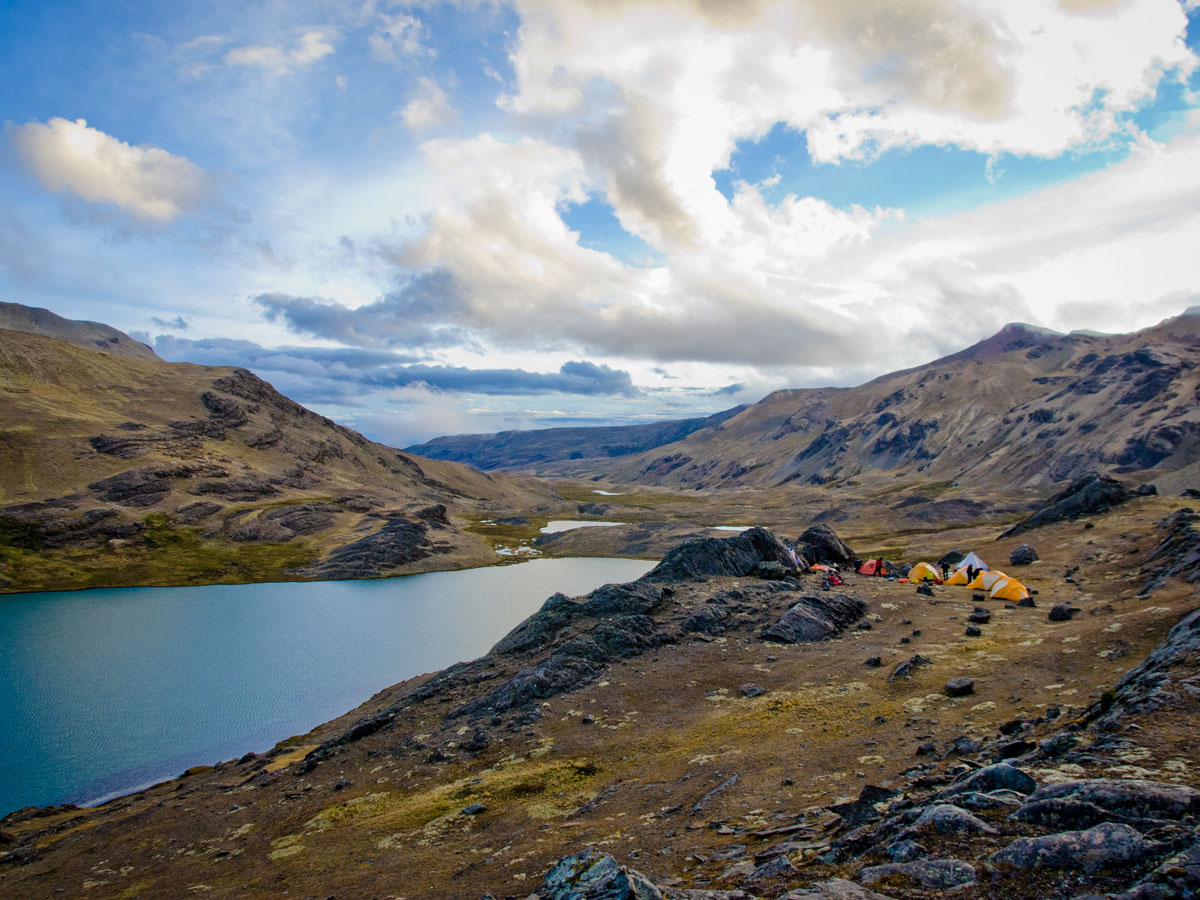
[
  {"x": 1088, "y": 495},
  {"x": 710, "y": 557}
]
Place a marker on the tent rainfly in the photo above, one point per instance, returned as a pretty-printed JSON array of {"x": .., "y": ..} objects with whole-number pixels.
[
  {"x": 970, "y": 560},
  {"x": 923, "y": 571}
]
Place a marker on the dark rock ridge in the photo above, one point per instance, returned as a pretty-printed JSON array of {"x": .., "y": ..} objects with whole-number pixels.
[
  {"x": 1168, "y": 672},
  {"x": 570, "y": 642},
  {"x": 1088, "y": 495},
  {"x": 399, "y": 541},
  {"x": 702, "y": 558},
  {"x": 1178, "y": 553},
  {"x": 516, "y": 449}
]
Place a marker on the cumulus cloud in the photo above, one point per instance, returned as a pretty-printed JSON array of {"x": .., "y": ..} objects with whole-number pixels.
[
  {"x": 74, "y": 158},
  {"x": 310, "y": 45},
  {"x": 428, "y": 107},
  {"x": 646, "y": 99}
]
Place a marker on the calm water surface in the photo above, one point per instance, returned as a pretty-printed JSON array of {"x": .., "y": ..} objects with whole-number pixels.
[{"x": 104, "y": 691}]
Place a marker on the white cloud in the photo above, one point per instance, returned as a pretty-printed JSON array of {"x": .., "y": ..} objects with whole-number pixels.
[
  {"x": 660, "y": 91},
  {"x": 398, "y": 37},
  {"x": 428, "y": 107},
  {"x": 311, "y": 44},
  {"x": 148, "y": 182}
]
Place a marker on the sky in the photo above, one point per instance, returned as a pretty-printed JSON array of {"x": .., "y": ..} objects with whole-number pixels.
[{"x": 463, "y": 216}]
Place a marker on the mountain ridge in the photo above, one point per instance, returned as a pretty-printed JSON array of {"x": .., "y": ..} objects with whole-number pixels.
[
  {"x": 1024, "y": 407},
  {"x": 124, "y": 470}
]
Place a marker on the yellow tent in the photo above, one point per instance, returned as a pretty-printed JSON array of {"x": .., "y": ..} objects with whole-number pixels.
[
  {"x": 959, "y": 577},
  {"x": 1009, "y": 589},
  {"x": 985, "y": 581},
  {"x": 923, "y": 571}
]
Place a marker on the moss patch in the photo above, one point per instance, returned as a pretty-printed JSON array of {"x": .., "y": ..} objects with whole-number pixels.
[{"x": 164, "y": 555}]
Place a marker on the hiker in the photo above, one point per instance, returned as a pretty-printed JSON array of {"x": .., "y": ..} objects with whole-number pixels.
[{"x": 945, "y": 566}]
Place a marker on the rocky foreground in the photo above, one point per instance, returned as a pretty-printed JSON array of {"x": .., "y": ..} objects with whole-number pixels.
[{"x": 728, "y": 727}]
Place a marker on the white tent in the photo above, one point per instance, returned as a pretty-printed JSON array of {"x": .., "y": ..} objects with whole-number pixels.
[{"x": 971, "y": 560}]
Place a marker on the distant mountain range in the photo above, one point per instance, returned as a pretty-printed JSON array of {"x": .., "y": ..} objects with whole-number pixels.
[
  {"x": 1027, "y": 406},
  {"x": 529, "y": 449},
  {"x": 119, "y": 468}
]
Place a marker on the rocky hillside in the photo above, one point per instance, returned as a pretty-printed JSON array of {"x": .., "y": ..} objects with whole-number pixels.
[
  {"x": 93, "y": 335},
  {"x": 1027, "y": 407},
  {"x": 126, "y": 470},
  {"x": 531, "y": 449},
  {"x": 726, "y": 728}
]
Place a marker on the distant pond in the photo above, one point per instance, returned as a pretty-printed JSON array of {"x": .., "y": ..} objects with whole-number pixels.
[{"x": 105, "y": 691}]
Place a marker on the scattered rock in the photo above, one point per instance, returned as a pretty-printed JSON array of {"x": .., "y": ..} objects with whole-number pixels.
[
  {"x": 960, "y": 687},
  {"x": 474, "y": 809},
  {"x": 874, "y": 662},
  {"x": 925, "y": 589},
  {"x": 980, "y": 616},
  {"x": 1063, "y": 612},
  {"x": 752, "y": 690},
  {"x": 972, "y": 631},
  {"x": 905, "y": 669}
]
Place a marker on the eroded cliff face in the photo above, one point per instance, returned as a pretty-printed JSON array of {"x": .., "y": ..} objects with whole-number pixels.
[{"x": 659, "y": 739}]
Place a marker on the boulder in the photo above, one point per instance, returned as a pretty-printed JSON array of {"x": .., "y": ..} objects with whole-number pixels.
[
  {"x": 592, "y": 875},
  {"x": 816, "y": 618},
  {"x": 941, "y": 874},
  {"x": 1106, "y": 846},
  {"x": 980, "y": 616},
  {"x": 1023, "y": 556},
  {"x": 960, "y": 687},
  {"x": 820, "y": 544},
  {"x": 778, "y": 867},
  {"x": 1000, "y": 776},
  {"x": 946, "y": 818},
  {"x": 1130, "y": 799}
]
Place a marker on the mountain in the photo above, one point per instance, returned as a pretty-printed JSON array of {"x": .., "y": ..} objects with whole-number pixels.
[
  {"x": 119, "y": 469},
  {"x": 529, "y": 449},
  {"x": 93, "y": 335},
  {"x": 1026, "y": 407}
]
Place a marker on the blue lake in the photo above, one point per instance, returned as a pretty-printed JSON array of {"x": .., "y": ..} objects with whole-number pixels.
[{"x": 105, "y": 691}]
